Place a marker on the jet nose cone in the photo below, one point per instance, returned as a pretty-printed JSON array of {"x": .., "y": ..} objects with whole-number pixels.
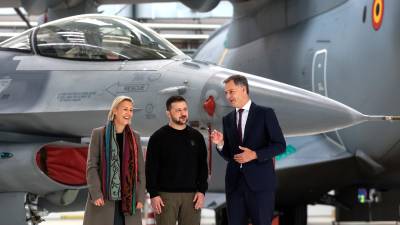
[{"x": 300, "y": 112}]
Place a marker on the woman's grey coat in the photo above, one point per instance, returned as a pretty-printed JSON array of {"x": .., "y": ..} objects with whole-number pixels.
[{"x": 104, "y": 215}]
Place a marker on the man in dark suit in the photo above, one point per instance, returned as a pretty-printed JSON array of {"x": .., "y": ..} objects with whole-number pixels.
[{"x": 250, "y": 140}]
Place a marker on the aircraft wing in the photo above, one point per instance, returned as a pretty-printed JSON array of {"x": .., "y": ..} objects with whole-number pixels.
[
  {"x": 130, "y": 1},
  {"x": 310, "y": 150},
  {"x": 312, "y": 159},
  {"x": 319, "y": 158},
  {"x": 22, "y": 3},
  {"x": 70, "y": 7}
]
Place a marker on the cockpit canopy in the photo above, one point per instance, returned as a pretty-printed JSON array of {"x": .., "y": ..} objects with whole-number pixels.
[{"x": 95, "y": 37}]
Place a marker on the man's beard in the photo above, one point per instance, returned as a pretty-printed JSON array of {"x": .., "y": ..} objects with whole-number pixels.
[{"x": 179, "y": 120}]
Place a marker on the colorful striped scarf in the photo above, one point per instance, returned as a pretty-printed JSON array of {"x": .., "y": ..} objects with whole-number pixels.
[{"x": 117, "y": 186}]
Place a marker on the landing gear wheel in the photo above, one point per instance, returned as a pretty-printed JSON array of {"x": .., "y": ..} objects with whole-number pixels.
[{"x": 294, "y": 216}]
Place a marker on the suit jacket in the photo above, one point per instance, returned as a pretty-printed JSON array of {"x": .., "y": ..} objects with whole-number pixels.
[
  {"x": 104, "y": 215},
  {"x": 263, "y": 135}
]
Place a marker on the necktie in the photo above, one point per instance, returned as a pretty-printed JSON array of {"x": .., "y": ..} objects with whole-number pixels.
[{"x": 239, "y": 127}]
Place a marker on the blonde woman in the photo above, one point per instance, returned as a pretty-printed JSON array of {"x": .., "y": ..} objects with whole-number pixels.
[{"x": 115, "y": 170}]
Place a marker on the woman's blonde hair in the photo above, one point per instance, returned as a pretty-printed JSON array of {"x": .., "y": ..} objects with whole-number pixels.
[{"x": 115, "y": 104}]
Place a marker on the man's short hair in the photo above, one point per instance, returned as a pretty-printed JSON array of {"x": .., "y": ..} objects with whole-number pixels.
[
  {"x": 172, "y": 99},
  {"x": 238, "y": 80}
]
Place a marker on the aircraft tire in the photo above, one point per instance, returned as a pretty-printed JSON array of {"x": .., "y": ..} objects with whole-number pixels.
[
  {"x": 221, "y": 215},
  {"x": 294, "y": 215}
]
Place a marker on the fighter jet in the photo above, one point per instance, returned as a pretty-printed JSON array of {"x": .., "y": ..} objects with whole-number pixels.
[
  {"x": 57, "y": 83},
  {"x": 308, "y": 44},
  {"x": 56, "y": 9}
]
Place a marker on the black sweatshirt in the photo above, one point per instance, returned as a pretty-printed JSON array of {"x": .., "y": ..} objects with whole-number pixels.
[{"x": 176, "y": 161}]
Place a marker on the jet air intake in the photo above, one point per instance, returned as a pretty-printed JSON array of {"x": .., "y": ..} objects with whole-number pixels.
[{"x": 42, "y": 168}]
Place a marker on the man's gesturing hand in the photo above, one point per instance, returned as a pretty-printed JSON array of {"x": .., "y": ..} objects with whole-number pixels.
[{"x": 217, "y": 137}]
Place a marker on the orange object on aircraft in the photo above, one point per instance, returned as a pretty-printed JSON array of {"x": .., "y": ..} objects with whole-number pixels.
[{"x": 377, "y": 13}]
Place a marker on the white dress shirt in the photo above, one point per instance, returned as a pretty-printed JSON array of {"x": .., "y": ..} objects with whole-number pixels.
[{"x": 245, "y": 114}]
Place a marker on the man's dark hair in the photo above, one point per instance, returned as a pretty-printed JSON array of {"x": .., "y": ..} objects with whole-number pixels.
[
  {"x": 238, "y": 80},
  {"x": 172, "y": 99}
]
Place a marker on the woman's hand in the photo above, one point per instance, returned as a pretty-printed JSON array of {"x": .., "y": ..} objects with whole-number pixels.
[
  {"x": 139, "y": 205},
  {"x": 99, "y": 202}
]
